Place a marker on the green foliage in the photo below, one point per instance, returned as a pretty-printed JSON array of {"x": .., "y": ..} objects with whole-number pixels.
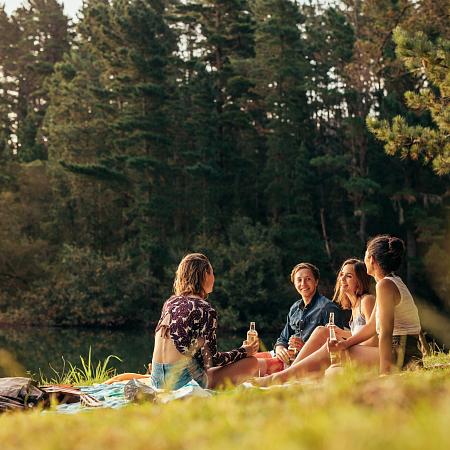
[
  {"x": 100, "y": 172},
  {"x": 437, "y": 263},
  {"x": 244, "y": 285},
  {"x": 24, "y": 243},
  {"x": 236, "y": 128},
  {"x": 35, "y": 38},
  {"x": 85, "y": 290},
  {"x": 431, "y": 62}
]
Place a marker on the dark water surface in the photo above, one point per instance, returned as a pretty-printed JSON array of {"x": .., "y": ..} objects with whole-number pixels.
[{"x": 34, "y": 348}]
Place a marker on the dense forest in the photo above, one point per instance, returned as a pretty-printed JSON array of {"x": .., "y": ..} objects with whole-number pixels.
[{"x": 260, "y": 132}]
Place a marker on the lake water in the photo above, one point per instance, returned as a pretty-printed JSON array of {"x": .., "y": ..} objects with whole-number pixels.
[{"x": 36, "y": 348}]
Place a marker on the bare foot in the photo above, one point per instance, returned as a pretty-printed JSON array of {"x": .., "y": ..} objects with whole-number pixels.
[{"x": 262, "y": 381}]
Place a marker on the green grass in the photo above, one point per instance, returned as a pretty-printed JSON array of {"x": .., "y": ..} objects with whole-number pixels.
[
  {"x": 354, "y": 410},
  {"x": 87, "y": 374}
]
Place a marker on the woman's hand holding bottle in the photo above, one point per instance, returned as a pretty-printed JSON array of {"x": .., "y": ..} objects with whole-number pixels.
[
  {"x": 251, "y": 347},
  {"x": 336, "y": 346}
]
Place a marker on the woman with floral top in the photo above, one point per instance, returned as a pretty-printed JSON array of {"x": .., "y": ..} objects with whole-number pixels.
[{"x": 185, "y": 337}]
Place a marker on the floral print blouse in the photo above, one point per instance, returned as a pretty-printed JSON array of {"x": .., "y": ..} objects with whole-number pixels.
[{"x": 191, "y": 322}]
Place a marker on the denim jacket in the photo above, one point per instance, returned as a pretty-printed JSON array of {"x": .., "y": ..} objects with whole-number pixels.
[{"x": 302, "y": 320}]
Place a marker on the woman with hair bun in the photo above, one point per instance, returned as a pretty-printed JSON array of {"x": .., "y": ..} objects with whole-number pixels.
[{"x": 396, "y": 319}]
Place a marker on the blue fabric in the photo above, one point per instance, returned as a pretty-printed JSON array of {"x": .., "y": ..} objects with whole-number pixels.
[
  {"x": 112, "y": 396},
  {"x": 176, "y": 376},
  {"x": 303, "y": 319}
]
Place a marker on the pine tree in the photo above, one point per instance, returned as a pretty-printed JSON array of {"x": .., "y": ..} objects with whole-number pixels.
[
  {"x": 411, "y": 184},
  {"x": 121, "y": 63},
  {"x": 222, "y": 49},
  {"x": 9, "y": 31},
  {"x": 431, "y": 61},
  {"x": 42, "y": 39},
  {"x": 281, "y": 72},
  {"x": 329, "y": 40}
]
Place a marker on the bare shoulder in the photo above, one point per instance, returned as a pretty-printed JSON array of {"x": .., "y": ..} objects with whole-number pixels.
[
  {"x": 367, "y": 298},
  {"x": 367, "y": 305},
  {"x": 387, "y": 288},
  {"x": 386, "y": 285}
]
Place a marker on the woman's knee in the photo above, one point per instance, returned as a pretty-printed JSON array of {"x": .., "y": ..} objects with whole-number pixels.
[{"x": 320, "y": 331}]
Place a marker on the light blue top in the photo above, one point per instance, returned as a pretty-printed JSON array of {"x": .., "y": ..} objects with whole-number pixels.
[{"x": 357, "y": 322}]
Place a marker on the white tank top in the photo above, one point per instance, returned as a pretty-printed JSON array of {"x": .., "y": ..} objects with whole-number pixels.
[{"x": 406, "y": 316}]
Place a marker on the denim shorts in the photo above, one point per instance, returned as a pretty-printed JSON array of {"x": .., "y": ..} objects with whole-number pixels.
[{"x": 174, "y": 376}]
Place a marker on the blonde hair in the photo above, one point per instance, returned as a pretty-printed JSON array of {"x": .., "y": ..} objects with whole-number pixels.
[
  {"x": 190, "y": 275},
  {"x": 362, "y": 278}
]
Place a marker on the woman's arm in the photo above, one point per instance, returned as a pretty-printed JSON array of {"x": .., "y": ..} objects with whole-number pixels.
[
  {"x": 365, "y": 333},
  {"x": 214, "y": 358},
  {"x": 367, "y": 306},
  {"x": 342, "y": 334},
  {"x": 387, "y": 297}
]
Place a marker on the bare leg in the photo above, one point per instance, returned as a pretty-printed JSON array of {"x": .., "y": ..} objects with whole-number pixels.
[
  {"x": 262, "y": 366},
  {"x": 125, "y": 377},
  {"x": 364, "y": 355},
  {"x": 319, "y": 361},
  {"x": 314, "y": 364},
  {"x": 317, "y": 339},
  {"x": 234, "y": 373}
]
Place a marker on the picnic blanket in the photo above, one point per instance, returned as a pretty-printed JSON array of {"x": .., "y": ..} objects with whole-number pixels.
[{"x": 114, "y": 395}]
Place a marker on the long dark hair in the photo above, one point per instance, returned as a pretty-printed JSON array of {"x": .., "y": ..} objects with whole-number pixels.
[{"x": 388, "y": 252}]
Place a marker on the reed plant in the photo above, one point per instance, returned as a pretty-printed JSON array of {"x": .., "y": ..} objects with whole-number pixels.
[{"x": 85, "y": 374}]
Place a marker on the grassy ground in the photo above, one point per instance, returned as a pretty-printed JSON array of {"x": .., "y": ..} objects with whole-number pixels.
[{"x": 356, "y": 410}]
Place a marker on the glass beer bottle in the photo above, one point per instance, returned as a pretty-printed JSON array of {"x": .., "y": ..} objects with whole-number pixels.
[
  {"x": 335, "y": 357},
  {"x": 292, "y": 351},
  {"x": 252, "y": 334}
]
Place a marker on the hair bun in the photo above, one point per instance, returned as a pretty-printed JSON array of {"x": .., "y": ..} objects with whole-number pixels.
[
  {"x": 388, "y": 252},
  {"x": 396, "y": 246}
]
